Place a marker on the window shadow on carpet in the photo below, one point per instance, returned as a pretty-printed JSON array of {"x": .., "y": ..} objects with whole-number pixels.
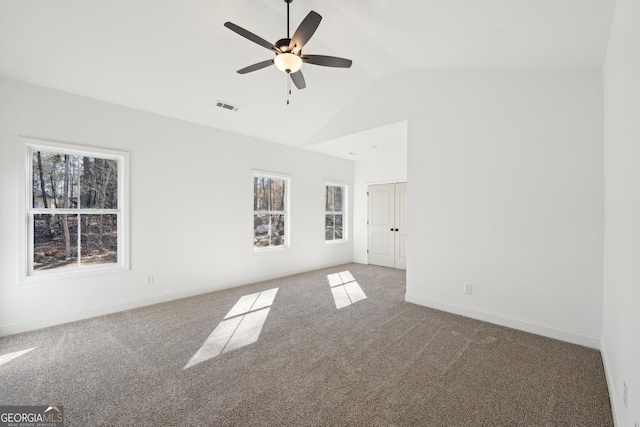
[
  {"x": 345, "y": 289},
  {"x": 10, "y": 356},
  {"x": 241, "y": 326}
]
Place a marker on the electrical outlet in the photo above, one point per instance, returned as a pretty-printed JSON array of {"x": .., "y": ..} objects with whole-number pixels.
[
  {"x": 467, "y": 288},
  {"x": 148, "y": 280},
  {"x": 624, "y": 394}
]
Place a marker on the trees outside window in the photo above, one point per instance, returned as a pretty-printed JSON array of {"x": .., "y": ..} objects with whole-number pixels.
[
  {"x": 334, "y": 218},
  {"x": 270, "y": 213},
  {"x": 75, "y": 212}
]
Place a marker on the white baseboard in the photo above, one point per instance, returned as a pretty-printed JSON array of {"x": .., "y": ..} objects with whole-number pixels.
[
  {"x": 361, "y": 259},
  {"x": 101, "y": 310},
  {"x": 616, "y": 407},
  {"x": 551, "y": 331}
]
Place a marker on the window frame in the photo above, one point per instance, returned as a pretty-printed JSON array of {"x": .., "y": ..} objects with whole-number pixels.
[
  {"x": 27, "y": 272},
  {"x": 345, "y": 207},
  {"x": 287, "y": 209}
]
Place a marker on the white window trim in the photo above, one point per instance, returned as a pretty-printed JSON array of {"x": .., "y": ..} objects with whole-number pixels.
[
  {"x": 27, "y": 274},
  {"x": 345, "y": 216},
  {"x": 287, "y": 212}
]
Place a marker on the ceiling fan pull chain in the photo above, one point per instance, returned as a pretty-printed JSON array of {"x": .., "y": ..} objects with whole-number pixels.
[{"x": 288, "y": 84}]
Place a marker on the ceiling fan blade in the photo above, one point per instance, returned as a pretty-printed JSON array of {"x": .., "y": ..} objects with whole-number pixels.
[
  {"x": 304, "y": 32},
  {"x": 256, "y": 67},
  {"x": 327, "y": 61},
  {"x": 250, "y": 36},
  {"x": 298, "y": 79}
]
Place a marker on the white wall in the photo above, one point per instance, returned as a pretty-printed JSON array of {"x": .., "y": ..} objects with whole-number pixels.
[
  {"x": 191, "y": 201},
  {"x": 621, "y": 325},
  {"x": 505, "y": 172},
  {"x": 507, "y": 193}
]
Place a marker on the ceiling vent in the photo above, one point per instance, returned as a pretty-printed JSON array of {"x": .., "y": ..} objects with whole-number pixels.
[{"x": 227, "y": 106}]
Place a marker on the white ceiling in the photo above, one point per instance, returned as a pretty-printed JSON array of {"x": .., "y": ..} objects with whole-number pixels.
[
  {"x": 377, "y": 143},
  {"x": 175, "y": 58}
]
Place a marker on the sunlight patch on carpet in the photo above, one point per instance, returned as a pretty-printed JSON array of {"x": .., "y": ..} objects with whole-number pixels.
[
  {"x": 242, "y": 326},
  {"x": 345, "y": 289},
  {"x": 10, "y": 356}
]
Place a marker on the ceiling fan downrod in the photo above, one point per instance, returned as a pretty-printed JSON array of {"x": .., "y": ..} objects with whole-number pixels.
[{"x": 288, "y": 2}]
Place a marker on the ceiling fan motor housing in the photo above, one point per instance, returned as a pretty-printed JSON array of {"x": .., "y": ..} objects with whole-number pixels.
[{"x": 283, "y": 45}]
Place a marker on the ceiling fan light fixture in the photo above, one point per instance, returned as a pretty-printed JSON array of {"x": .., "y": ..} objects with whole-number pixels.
[{"x": 288, "y": 62}]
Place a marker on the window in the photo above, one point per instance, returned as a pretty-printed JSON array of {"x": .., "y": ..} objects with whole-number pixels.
[
  {"x": 334, "y": 218},
  {"x": 270, "y": 211},
  {"x": 75, "y": 208}
]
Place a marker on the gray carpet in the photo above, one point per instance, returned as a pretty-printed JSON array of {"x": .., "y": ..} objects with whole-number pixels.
[{"x": 377, "y": 362}]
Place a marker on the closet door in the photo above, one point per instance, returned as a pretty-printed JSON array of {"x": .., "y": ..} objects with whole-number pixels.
[
  {"x": 386, "y": 233},
  {"x": 401, "y": 226},
  {"x": 381, "y": 225}
]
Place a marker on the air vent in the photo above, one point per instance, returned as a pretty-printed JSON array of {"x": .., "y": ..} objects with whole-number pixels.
[{"x": 227, "y": 106}]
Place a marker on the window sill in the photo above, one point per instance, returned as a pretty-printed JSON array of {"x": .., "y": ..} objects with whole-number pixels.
[
  {"x": 79, "y": 273},
  {"x": 270, "y": 249},
  {"x": 336, "y": 242}
]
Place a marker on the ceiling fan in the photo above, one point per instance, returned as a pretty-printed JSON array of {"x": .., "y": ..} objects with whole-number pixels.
[{"x": 288, "y": 51}]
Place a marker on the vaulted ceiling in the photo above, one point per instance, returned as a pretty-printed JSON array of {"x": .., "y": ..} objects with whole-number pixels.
[{"x": 175, "y": 58}]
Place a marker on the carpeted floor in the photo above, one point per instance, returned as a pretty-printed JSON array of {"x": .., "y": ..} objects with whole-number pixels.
[{"x": 376, "y": 362}]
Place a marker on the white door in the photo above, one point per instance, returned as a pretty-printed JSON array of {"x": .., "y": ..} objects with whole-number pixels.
[
  {"x": 387, "y": 225},
  {"x": 401, "y": 226},
  {"x": 381, "y": 225}
]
